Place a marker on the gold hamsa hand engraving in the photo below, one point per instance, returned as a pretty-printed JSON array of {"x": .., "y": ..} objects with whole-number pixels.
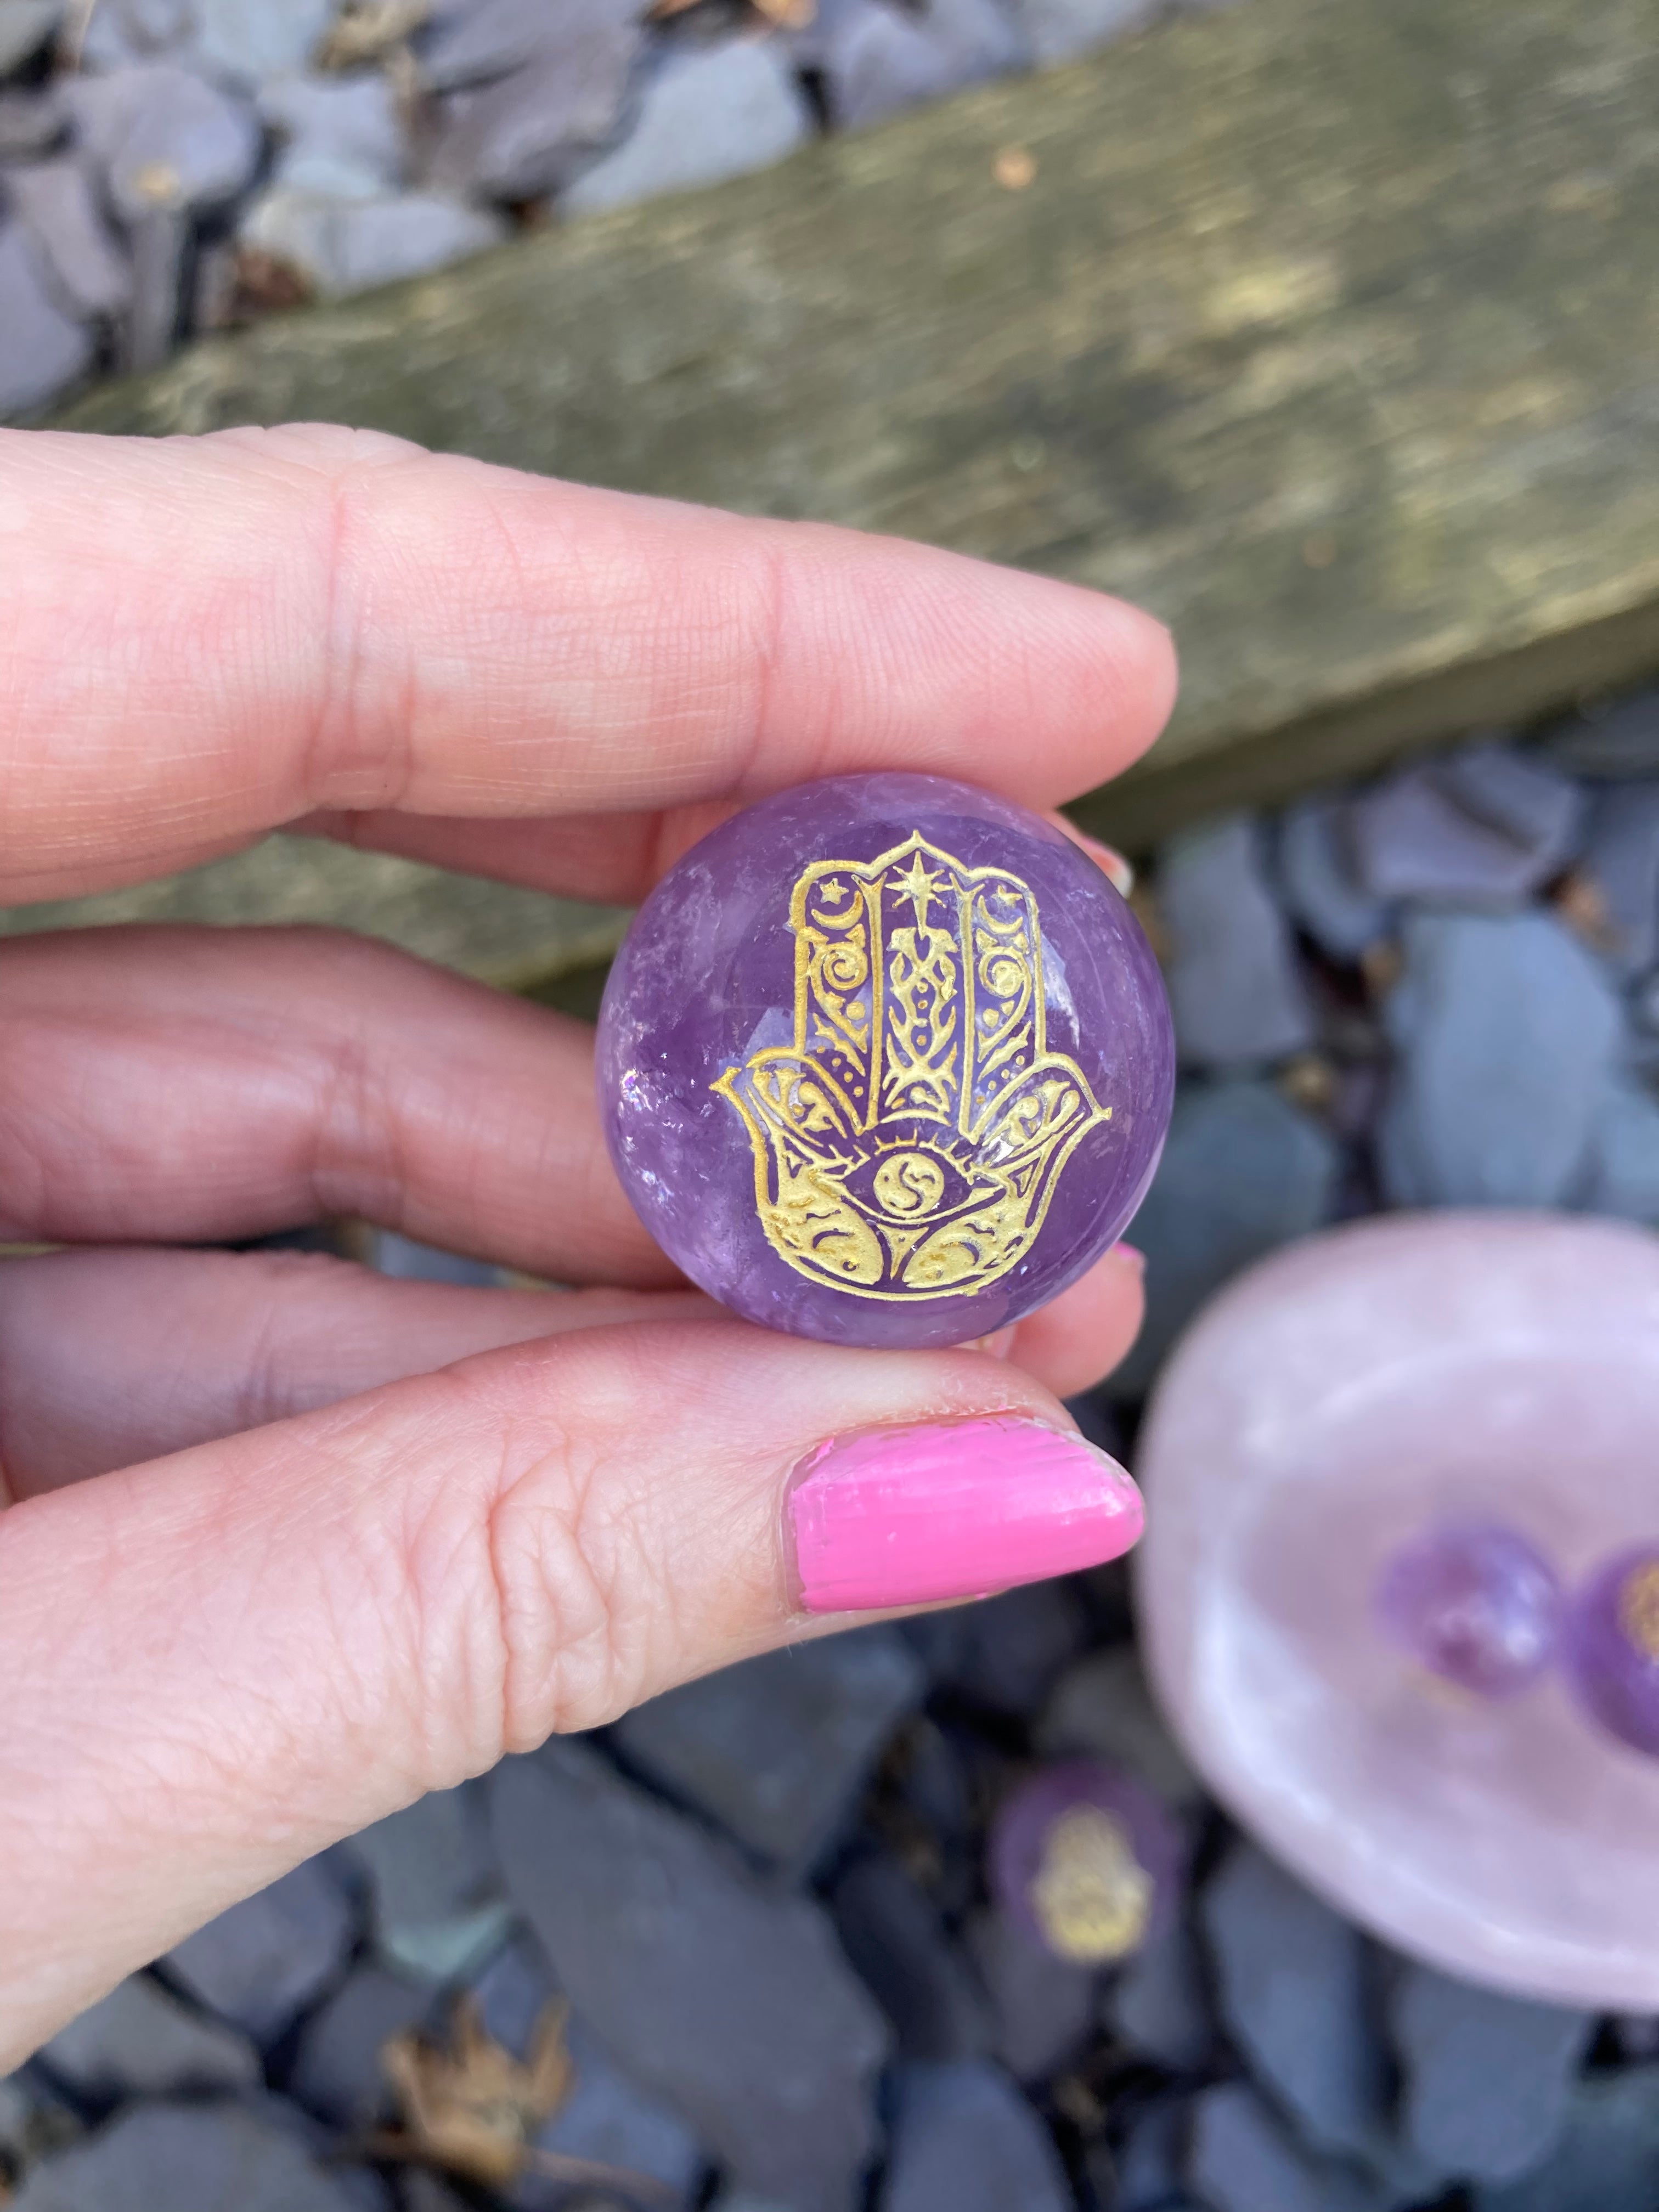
[{"x": 907, "y": 1143}]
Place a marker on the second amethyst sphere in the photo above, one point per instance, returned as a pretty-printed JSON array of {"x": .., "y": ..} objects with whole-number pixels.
[{"x": 885, "y": 1061}]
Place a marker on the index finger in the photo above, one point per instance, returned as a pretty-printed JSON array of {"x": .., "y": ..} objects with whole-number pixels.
[{"x": 202, "y": 640}]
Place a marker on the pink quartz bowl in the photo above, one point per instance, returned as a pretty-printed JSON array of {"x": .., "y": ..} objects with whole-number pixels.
[{"x": 1326, "y": 1407}]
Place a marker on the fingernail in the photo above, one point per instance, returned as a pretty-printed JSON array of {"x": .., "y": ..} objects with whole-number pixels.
[
  {"x": 1118, "y": 872},
  {"x": 952, "y": 1509},
  {"x": 1131, "y": 1252}
]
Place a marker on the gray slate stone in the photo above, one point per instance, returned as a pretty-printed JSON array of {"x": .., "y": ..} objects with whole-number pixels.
[
  {"x": 1317, "y": 876},
  {"x": 1609, "y": 742},
  {"x": 422, "y": 2191},
  {"x": 1005, "y": 1652},
  {"x": 344, "y": 245},
  {"x": 246, "y": 41},
  {"x": 1621, "y": 858},
  {"x": 891, "y": 1931},
  {"x": 118, "y": 33},
  {"x": 1607, "y": 2159},
  {"x": 1102, "y": 1708},
  {"x": 732, "y": 2003},
  {"x": 1482, "y": 828},
  {"x": 1241, "y": 2158},
  {"x": 151, "y": 327},
  {"x": 513, "y": 1991},
  {"x": 779, "y": 1749},
  {"x": 879, "y": 60},
  {"x": 1486, "y": 2078},
  {"x": 54, "y": 202},
  {"x": 1506, "y": 1030},
  {"x": 42, "y": 349},
  {"x": 1516, "y": 793},
  {"x": 339, "y": 133},
  {"x": 606, "y": 2119},
  {"x": 485, "y": 39},
  {"x": 1144, "y": 2174},
  {"x": 713, "y": 114},
  {"x": 139, "y": 2041},
  {"x": 1243, "y": 1171},
  {"x": 33, "y": 120},
  {"x": 436, "y": 1906},
  {"x": 1063, "y": 30},
  {"x": 529, "y": 133},
  {"x": 1159, "y": 2004},
  {"x": 1293, "y": 1986},
  {"x": 1624, "y": 1170},
  {"x": 964, "y": 2140},
  {"x": 263, "y": 1962},
  {"x": 337, "y": 2072},
  {"x": 166, "y": 140},
  {"x": 25, "y": 26},
  {"x": 162, "y": 2157},
  {"x": 1042, "y": 2007},
  {"x": 1234, "y": 990}
]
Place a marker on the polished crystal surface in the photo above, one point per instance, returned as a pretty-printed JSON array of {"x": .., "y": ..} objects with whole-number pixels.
[
  {"x": 1345, "y": 1396},
  {"x": 1612, "y": 1647},
  {"x": 1087, "y": 1860},
  {"x": 1475, "y": 1603},
  {"x": 885, "y": 1061}
]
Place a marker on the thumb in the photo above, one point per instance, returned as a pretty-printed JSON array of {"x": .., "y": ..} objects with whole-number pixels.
[{"x": 223, "y": 1661}]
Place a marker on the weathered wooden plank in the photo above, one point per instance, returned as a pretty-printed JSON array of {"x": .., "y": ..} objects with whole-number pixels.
[
  {"x": 519, "y": 939},
  {"x": 1329, "y": 331}
]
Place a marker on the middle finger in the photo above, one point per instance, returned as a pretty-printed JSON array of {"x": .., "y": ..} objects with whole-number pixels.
[{"x": 179, "y": 1085}]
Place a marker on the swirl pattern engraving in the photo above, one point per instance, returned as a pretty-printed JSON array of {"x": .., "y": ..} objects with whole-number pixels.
[{"x": 907, "y": 1143}]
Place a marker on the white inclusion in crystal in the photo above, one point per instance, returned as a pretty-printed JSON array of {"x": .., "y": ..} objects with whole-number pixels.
[
  {"x": 774, "y": 1028},
  {"x": 1056, "y": 991}
]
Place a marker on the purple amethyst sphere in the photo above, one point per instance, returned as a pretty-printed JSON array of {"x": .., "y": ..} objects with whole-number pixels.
[
  {"x": 1612, "y": 1647},
  {"x": 1086, "y": 1860},
  {"x": 1473, "y": 1601},
  {"x": 885, "y": 1061}
]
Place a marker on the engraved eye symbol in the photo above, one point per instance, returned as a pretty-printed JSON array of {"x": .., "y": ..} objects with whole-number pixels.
[{"x": 908, "y": 1183}]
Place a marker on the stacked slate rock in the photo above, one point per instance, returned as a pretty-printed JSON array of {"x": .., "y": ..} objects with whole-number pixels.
[
  {"x": 173, "y": 167},
  {"x": 1439, "y": 988}
]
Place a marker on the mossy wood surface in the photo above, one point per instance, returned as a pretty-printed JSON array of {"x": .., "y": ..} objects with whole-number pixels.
[{"x": 1328, "y": 328}]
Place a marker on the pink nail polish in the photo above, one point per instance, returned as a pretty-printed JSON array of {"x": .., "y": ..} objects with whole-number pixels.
[
  {"x": 952, "y": 1509},
  {"x": 1134, "y": 1253}
]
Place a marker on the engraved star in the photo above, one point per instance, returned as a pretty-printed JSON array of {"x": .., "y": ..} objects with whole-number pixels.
[{"x": 917, "y": 887}]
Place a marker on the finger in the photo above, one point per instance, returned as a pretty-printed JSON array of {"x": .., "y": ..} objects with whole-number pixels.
[
  {"x": 210, "y": 637},
  {"x": 180, "y": 1085},
  {"x": 1077, "y": 1340},
  {"x": 617, "y": 860},
  {"x": 111, "y": 1358},
  {"x": 107, "y": 1359},
  {"x": 232, "y": 1657},
  {"x": 1118, "y": 871}
]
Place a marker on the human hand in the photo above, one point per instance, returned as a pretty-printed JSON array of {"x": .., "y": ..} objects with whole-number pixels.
[{"x": 289, "y": 1544}]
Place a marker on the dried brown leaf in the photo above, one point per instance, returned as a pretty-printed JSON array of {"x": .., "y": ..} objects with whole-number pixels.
[
  {"x": 367, "y": 30},
  {"x": 474, "y": 2107}
]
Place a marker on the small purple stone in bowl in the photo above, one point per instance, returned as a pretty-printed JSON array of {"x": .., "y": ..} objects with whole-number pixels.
[
  {"x": 1473, "y": 1601},
  {"x": 885, "y": 1061},
  {"x": 1612, "y": 1647},
  {"x": 1086, "y": 1860}
]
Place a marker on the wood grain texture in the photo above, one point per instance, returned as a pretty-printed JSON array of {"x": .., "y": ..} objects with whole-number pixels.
[{"x": 1327, "y": 329}]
